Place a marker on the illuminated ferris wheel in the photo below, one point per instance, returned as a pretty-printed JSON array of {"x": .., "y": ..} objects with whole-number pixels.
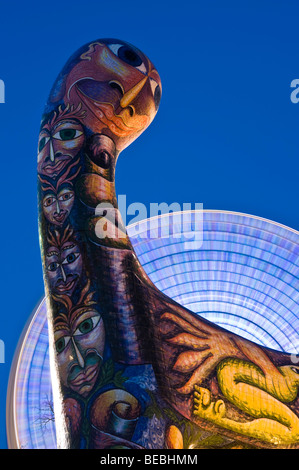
[{"x": 243, "y": 276}]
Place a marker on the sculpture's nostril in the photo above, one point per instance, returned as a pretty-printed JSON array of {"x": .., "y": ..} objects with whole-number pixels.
[
  {"x": 131, "y": 110},
  {"x": 116, "y": 86}
]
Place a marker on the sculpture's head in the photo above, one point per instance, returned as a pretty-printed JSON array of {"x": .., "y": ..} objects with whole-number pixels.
[{"x": 116, "y": 87}]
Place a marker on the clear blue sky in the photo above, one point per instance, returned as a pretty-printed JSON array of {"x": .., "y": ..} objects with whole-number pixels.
[{"x": 226, "y": 134}]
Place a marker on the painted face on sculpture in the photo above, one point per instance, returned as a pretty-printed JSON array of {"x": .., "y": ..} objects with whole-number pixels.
[
  {"x": 79, "y": 346},
  {"x": 118, "y": 87},
  {"x": 60, "y": 140},
  {"x": 64, "y": 263},
  {"x": 64, "y": 268},
  {"x": 59, "y": 196},
  {"x": 57, "y": 206}
]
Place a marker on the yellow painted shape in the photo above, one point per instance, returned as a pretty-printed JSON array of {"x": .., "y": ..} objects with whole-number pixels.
[{"x": 260, "y": 396}]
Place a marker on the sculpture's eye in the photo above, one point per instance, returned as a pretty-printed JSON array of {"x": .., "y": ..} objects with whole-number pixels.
[
  {"x": 49, "y": 200},
  {"x": 65, "y": 196},
  {"x": 53, "y": 266},
  {"x": 156, "y": 92},
  {"x": 87, "y": 325},
  {"x": 128, "y": 55},
  {"x": 42, "y": 143},
  {"x": 62, "y": 343},
  {"x": 71, "y": 258},
  {"x": 295, "y": 369}
]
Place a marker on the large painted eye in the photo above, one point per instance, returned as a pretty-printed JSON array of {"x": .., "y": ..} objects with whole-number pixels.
[
  {"x": 128, "y": 55},
  {"x": 62, "y": 343},
  {"x": 295, "y": 369},
  {"x": 43, "y": 141},
  {"x": 49, "y": 200},
  {"x": 67, "y": 134},
  {"x": 87, "y": 325},
  {"x": 53, "y": 266},
  {"x": 65, "y": 195},
  {"x": 71, "y": 258}
]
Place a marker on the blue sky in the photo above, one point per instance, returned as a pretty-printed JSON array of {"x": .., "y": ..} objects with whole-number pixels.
[{"x": 226, "y": 134}]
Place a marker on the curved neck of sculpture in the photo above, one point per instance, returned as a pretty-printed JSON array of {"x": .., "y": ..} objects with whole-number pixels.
[{"x": 115, "y": 267}]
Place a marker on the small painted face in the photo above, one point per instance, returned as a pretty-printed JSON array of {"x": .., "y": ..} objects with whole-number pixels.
[
  {"x": 79, "y": 350},
  {"x": 59, "y": 142},
  {"x": 64, "y": 267},
  {"x": 57, "y": 206},
  {"x": 118, "y": 87}
]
